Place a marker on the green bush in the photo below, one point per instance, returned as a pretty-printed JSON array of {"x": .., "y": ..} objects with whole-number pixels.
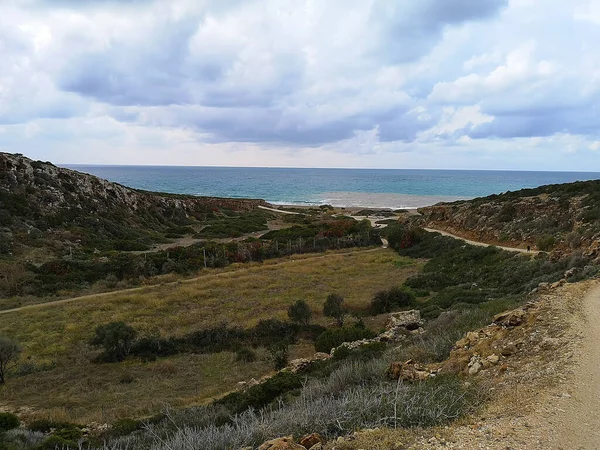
[
  {"x": 279, "y": 354},
  {"x": 8, "y": 421},
  {"x": 244, "y": 354},
  {"x": 300, "y": 312},
  {"x": 124, "y": 427},
  {"x": 394, "y": 298},
  {"x": 54, "y": 442},
  {"x": 546, "y": 243},
  {"x": 334, "y": 307},
  {"x": 116, "y": 338},
  {"x": 263, "y": 393}
]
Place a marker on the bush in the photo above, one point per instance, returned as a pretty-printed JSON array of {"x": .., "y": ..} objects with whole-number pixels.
[
  {"x": 54, "y": 442},
  {"x": 300, "y": 313},
  {"x": 272, "y": 331},
  {"x": 8, "y": 421},
  {"x": 126, "y": 426},
  {"x": 546, "y": 243},
  {"x": 336, "y": 337},
  {"x": 387, "y": 301},
  {"x": 334, "y": 307},
  {"x": 9, "y": 356},
  {"x": 262, "y": 394},
  {"x": 116, "y": 338},
  {"x": 279, "y": 355},
  {"x": 244, "y": 354}
]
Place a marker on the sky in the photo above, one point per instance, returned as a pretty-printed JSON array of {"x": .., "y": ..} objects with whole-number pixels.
[{"x": 448, "y": 84}]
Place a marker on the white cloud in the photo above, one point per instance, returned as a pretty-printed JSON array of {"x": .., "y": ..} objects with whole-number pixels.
[{"x": 274, "y": 82}]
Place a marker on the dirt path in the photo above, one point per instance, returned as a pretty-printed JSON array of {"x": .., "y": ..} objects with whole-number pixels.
[
  {"x": 482, "y": 244},
  {"x": 291, "y": 260},
  {"x": 579, "y": 424}
]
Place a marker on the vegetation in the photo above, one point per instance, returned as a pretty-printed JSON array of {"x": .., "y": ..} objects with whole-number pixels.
[
  {"x": 334, "y": 307},
  {"x": 8, "y": 421},
  {"x": 300, "y": 313},
  {"x": 333, "y": 338},
  {"x": 9, "y": 356},
  {"x": 392, "y": 299},
  {"x": 58, "y": 360},
  {"x": 116, "y": 338}
]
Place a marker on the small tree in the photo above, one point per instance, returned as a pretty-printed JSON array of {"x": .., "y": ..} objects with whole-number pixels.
[
  {"x": 117, "y": 339},
  {"x": 9, "y": 355},
  {"x": 334, "y": 307},
  {"x": 280, "y": 354},
  {"x": 300, "y": 313}
]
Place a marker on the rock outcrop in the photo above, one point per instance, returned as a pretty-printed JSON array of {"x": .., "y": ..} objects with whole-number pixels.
[{"x": 562, "y": 217}]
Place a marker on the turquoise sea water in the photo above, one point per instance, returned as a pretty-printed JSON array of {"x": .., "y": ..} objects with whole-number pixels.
[{"x": 384, "y": 188}]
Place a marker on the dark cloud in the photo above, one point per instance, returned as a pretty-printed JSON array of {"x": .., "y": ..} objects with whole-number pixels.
[
  {"x": 411, "y": 29},
  {"x": 126, "y": 74}
]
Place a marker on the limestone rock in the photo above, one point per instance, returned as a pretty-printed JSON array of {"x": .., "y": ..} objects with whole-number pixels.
[
  {"x": 409, "y": 371},
  {"x": 510, "y": 319},
  {"x": 475, "y": 365},
  {"x": 411, "y": 320},
  {"x": 311, "y": 440},
  {"x": 299, "y": 365},
  {"x": 284, "y": 443}
]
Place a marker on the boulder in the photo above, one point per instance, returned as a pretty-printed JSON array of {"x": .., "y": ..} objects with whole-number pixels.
[
  {"x": 284, "y": 443},
  {"x": 299, "y": 365},
  {"x": 409, "y": 371},
  {"x": 411, "y": 320},
  {"x": 475, "y": 365},
  {"x": 311, "y": 440},
  {"x": 510, "y": 319},
  {"x": 320, "y": 356}
]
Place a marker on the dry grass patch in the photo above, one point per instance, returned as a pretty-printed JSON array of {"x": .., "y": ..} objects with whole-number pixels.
[{"x": 84, "y": 391}]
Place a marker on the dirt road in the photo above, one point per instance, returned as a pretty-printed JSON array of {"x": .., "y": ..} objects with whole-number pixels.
[
  {"x": 579, "y": 424},
  {"x": 482, "y": 244}
]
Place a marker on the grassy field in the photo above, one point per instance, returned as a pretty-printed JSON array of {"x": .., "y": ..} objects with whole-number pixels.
[{"x": 80, "y": 391}]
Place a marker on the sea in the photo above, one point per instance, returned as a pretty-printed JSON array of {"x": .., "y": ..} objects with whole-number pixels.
[{"x": 375, "y": 188}]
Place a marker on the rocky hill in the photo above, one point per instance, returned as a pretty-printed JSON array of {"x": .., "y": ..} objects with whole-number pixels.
[
  {"x": 39, "y": 200},
  {"x": 560, "y": 217}
]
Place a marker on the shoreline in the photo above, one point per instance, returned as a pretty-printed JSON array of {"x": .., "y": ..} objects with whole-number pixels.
[{"x": 370, "y": 200}]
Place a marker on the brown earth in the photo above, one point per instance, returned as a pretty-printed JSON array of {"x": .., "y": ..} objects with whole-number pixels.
[{"x": 545, "y": 393}]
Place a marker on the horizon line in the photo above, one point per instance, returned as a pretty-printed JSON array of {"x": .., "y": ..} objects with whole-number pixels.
[{"x": 317, "y": 168}]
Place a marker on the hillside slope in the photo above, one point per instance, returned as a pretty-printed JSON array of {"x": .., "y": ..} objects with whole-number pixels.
[
  {"x": 39, "y": 200},
  {"x": 562, "y": 217}
]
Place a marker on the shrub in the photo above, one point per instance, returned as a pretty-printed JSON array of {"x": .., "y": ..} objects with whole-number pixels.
[
  {"x": 244, "y": 354},
  {"x": 334, "y": 307},
  {"x": 116, "y": 338},
  {"x": 336, "y": 337},
  {"x": 9, "y": 356},
  {"x": 279, "y": 354},
  {"x": 387, "y": 301},
  {"x": 546, "y": 243},
  {"x": 8, "y": 421},
  {"x": 262, "y": 394},
  {"x": 272, "y": 331},
  {"x": 54, "y": 442},
  {"x": 126, "y": 426},
  {"x": 300, "y": 313}
]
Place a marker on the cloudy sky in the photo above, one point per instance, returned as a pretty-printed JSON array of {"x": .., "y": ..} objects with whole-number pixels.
[{"x": 481, "y": 84}]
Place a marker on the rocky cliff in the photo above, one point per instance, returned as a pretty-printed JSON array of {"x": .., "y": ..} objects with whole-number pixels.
[
  {"x": 564, "y": 216},
  {"x": 39, "y": 198}
]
